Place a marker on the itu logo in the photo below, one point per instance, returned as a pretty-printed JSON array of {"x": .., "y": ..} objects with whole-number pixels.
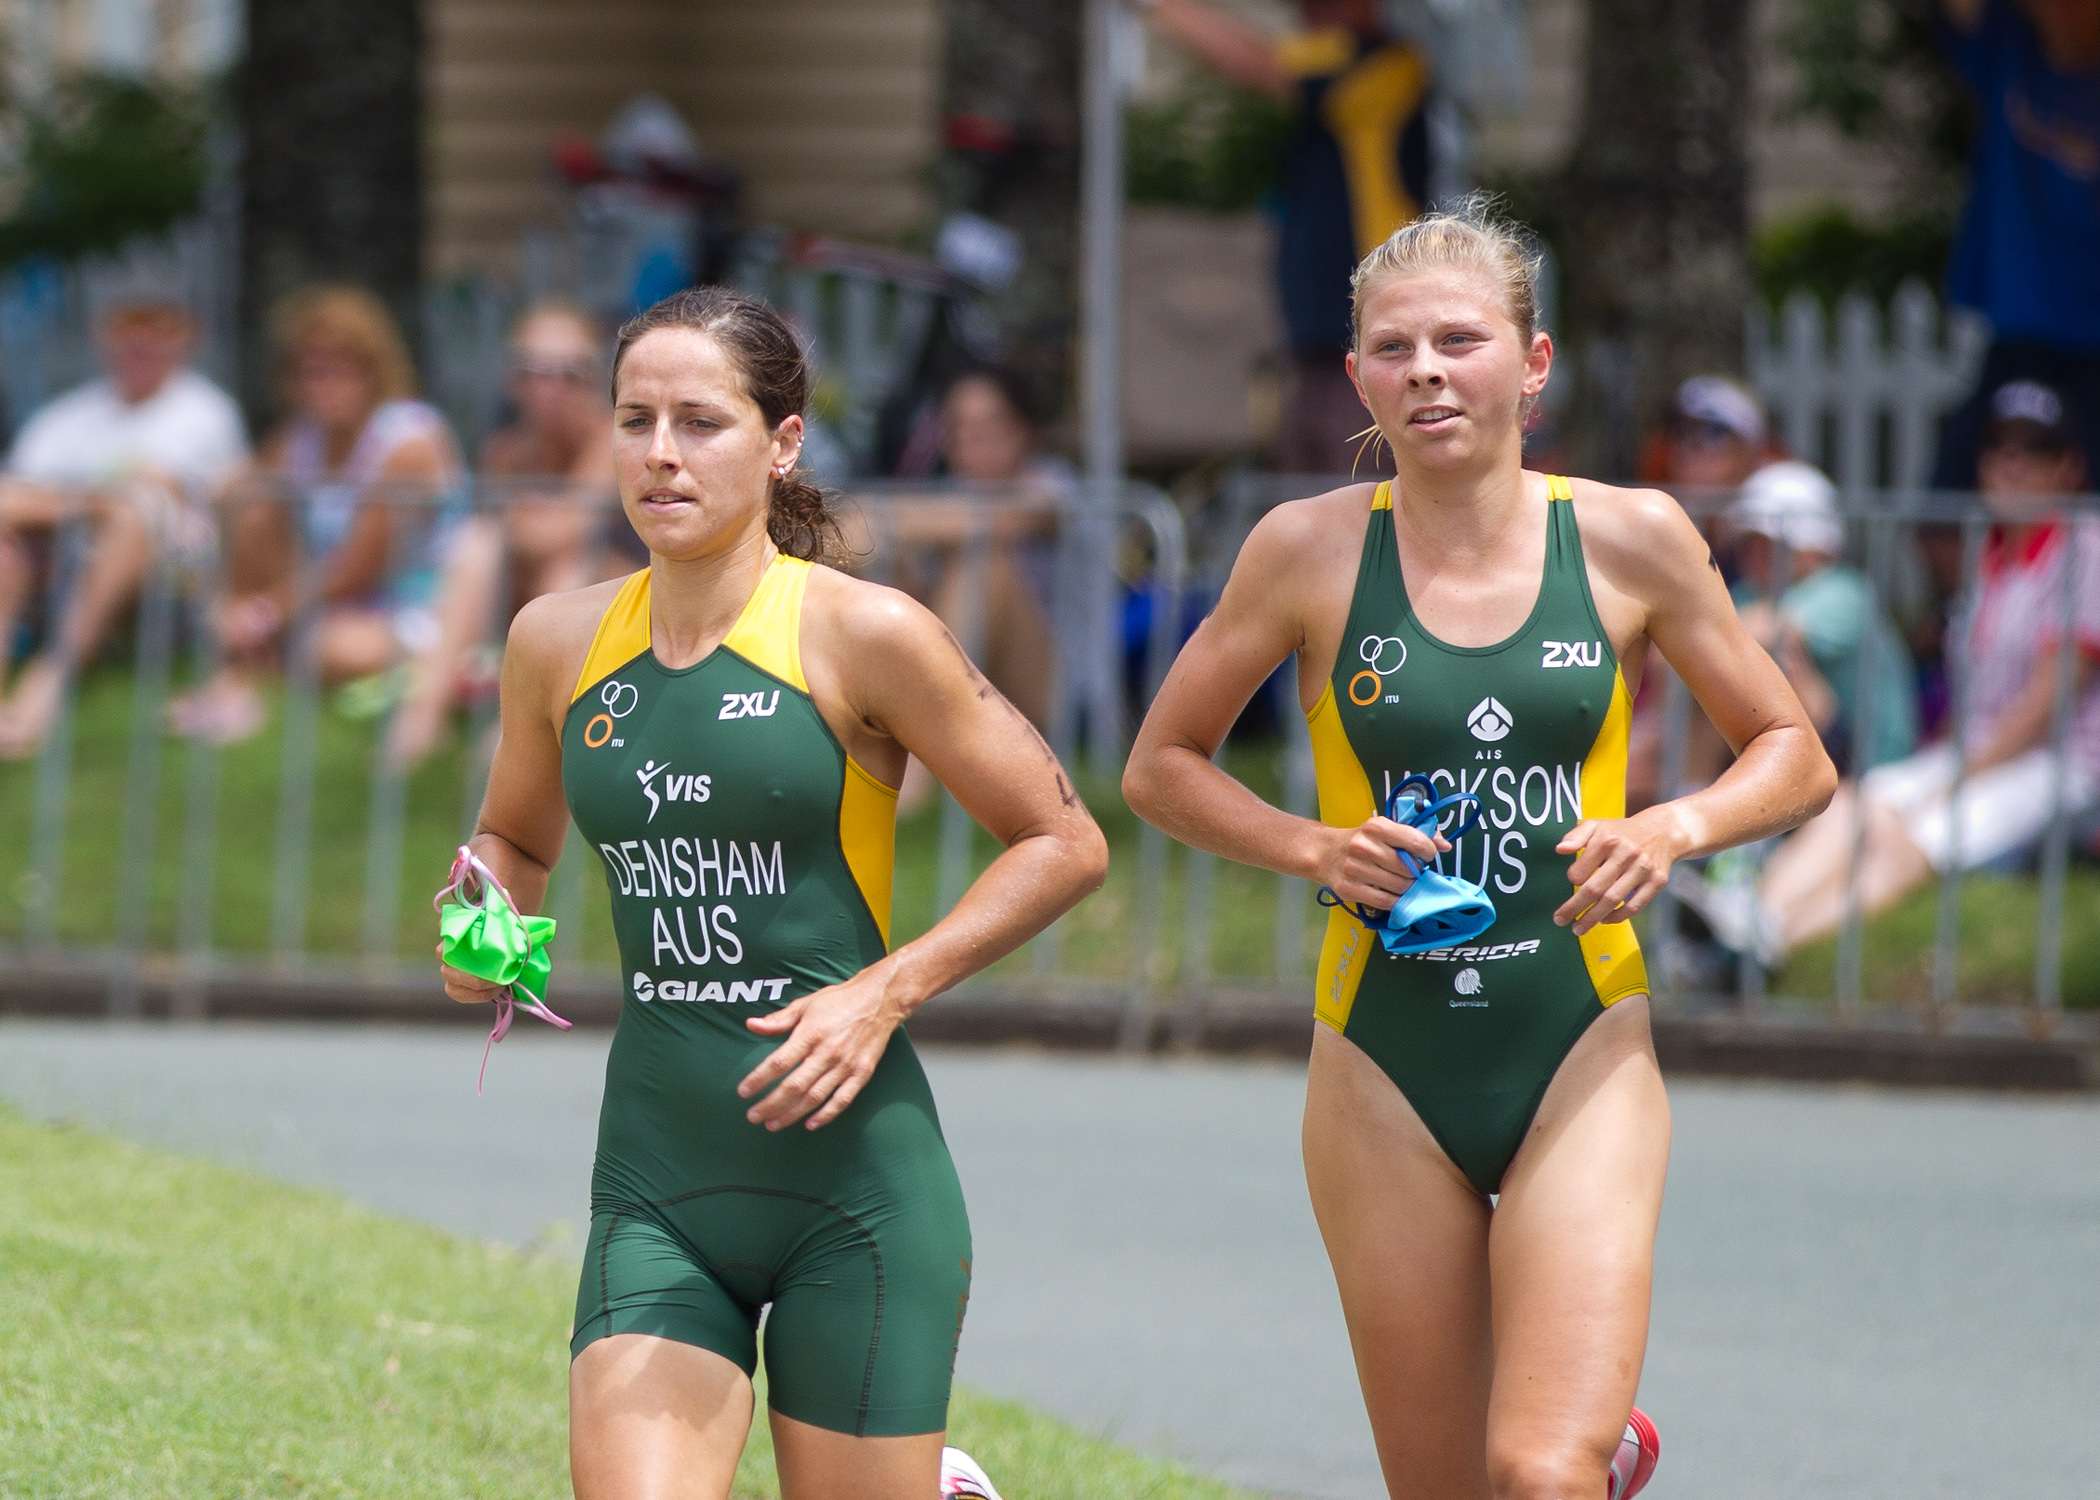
[
  {"x": 1490, "y": 721},
  {"x": 619, "y": 699},
  {"x": 1382, "y": 656}
]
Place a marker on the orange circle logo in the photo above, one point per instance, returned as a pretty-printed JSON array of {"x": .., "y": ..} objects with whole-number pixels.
[
  {"x": 1370, "y": 694},
  {"x": 598, "y": 731}
]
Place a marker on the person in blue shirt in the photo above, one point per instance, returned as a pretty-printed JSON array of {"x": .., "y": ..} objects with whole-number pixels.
[{"x": 2024, "y": 256}]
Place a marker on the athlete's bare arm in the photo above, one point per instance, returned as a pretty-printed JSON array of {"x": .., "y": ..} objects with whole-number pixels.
[
  {"x": 1656, "y": 573},
  {"x": 890, "y": 678},
  {"x": 1285, "y": 596},
  {"x": 524, "y": 816}
]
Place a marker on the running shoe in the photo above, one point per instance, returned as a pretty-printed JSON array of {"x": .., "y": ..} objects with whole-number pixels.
[
  {"x": 960, "y": 1476},
  {"x": 1639, "y": 1448}
]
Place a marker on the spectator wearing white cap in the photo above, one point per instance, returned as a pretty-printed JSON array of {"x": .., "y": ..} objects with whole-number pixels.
[
  {"x": 134, "y": 455},
  {"x": 1819, "y": 617},
  {"x": 2012, "y": 776}
]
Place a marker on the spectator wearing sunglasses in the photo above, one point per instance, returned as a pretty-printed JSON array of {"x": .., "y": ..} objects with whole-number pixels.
[{"x": 546, "y": 499}]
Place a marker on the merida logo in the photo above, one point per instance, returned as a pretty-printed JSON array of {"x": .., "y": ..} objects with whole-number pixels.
[
  {"x": 1490, "y": 721},
  {"x": 682, "y": 788},
  {"x": 714, "y": 992}
]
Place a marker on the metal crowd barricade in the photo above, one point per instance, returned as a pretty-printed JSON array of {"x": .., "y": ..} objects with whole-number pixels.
[{"x": 216, "y": 878}]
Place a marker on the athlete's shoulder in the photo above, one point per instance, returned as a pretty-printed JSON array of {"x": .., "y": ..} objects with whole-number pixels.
[
  {"x": 862, "y": 613},
  {"x": 1297, "y": 529},
  {"x": 556, "y": 627},
  {"x": 1641, "y": 538}
]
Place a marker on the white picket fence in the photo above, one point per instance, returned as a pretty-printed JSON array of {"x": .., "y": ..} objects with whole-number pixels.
[{"x": 1859, "y": 393}]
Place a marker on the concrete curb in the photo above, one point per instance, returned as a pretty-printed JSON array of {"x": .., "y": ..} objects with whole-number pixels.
[{"x": 1900, "y": 1048}]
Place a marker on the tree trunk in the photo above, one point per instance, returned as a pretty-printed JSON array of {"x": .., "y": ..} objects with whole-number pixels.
[
  {"x": 329, "y": 101},
  {"x": 1011, "y": 85},
  {"x": 1655, "y": 260}
]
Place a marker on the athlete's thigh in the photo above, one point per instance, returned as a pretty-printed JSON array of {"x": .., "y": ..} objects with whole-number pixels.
[
  {"x": 1572, "y": 1250},
  {"x": 816, "y": 1463},
  {"x": 655, "y": 1419},
  {"x": 1407, "y": 1236}
]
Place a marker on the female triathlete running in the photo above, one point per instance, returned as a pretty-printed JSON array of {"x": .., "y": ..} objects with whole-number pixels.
[
  {"x": 1487, "y": 637},
  {"x": 728, "y": 727}
]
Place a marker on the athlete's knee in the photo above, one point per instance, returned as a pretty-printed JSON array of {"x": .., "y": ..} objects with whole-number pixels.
[{"x": 1546, "y": 1469}]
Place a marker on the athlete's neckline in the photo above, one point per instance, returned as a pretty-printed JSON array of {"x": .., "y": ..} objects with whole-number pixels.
[
  {"x": 1407, "y": 602},
  {"x": 728, "y": 635}
]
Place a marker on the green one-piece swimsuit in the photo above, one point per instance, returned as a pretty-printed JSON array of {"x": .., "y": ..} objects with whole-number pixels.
[
  {"x": 1535, "y": 726},
  {"x": 749, "y": 860}
]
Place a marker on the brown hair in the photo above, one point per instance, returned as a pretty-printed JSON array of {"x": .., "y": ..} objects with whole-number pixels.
[
  {"x": 1472, "y": 234},
  {"x": 352, "y": 319},
  {"x": 775, "y": 372}
]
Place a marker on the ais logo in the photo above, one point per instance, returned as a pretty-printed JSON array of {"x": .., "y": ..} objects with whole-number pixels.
[{"x": 1490, "y": 721}]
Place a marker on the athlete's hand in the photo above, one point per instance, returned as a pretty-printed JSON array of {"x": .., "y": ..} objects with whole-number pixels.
[
  {"x": 835, "y": 1037},
  {"x": 467, "y": 989},
  {"x": 1360, "y": 867},
  {"x": 1620, "y": 865}
]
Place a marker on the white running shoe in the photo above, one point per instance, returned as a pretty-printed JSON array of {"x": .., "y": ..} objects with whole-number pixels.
[
  {"x": 1639, "y": 1449},
  {"x": 960, "y": 1476}
]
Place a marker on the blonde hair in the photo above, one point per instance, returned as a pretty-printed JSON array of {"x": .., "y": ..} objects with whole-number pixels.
[
  {"x": 1470, "y": 234},
  {"x": 353, "y": 320}
]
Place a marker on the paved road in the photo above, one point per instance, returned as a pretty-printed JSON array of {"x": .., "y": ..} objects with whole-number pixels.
[{"x": 1860, "y": 1294}]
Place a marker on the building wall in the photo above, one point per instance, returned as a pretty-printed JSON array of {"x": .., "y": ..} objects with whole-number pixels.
[{"x": 829, "y": 108}]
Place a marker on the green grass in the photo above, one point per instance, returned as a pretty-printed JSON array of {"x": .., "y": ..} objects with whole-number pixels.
[
  {"x": 1114, "y": 939},
  {"x": 174, "y": 1329}
]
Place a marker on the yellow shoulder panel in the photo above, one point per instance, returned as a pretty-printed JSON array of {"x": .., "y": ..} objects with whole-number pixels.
[
  {"x": 1383, "y": 499},
  {"x": 769, "y": 632},
  {"x": 622, "y": 635},
  {"x": 1609, "y": 950},
  {"x": 1345, "y": 801},
  {"x": 1558, "y": 488},
  {"x": 868, "y": 834}
]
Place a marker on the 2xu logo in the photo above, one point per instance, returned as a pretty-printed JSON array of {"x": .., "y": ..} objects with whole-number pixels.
[
  {"x": 758, "y": 705},
  {"x": 1572, "y": 654}
]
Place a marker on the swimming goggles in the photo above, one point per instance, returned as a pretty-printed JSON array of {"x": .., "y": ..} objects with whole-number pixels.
[
  {"x": 1438, "y": 910},
  {"x": 484, "y": 934}
]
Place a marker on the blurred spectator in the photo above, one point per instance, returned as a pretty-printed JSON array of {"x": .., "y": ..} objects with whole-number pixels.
[
  {"x": 2010, "y": 640},
  {"x": 1357, "y": 169},
  {"x": 134, "y": 454},
  {"x": 2024, "y": 256},
  {"x": 1715, "y": 441},
  {"x": 552, "y": 520},
  {"x": 1820, "y": 618},
  {"x": 983, "y": 560},
  {"x": 337, "y": 522}
]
